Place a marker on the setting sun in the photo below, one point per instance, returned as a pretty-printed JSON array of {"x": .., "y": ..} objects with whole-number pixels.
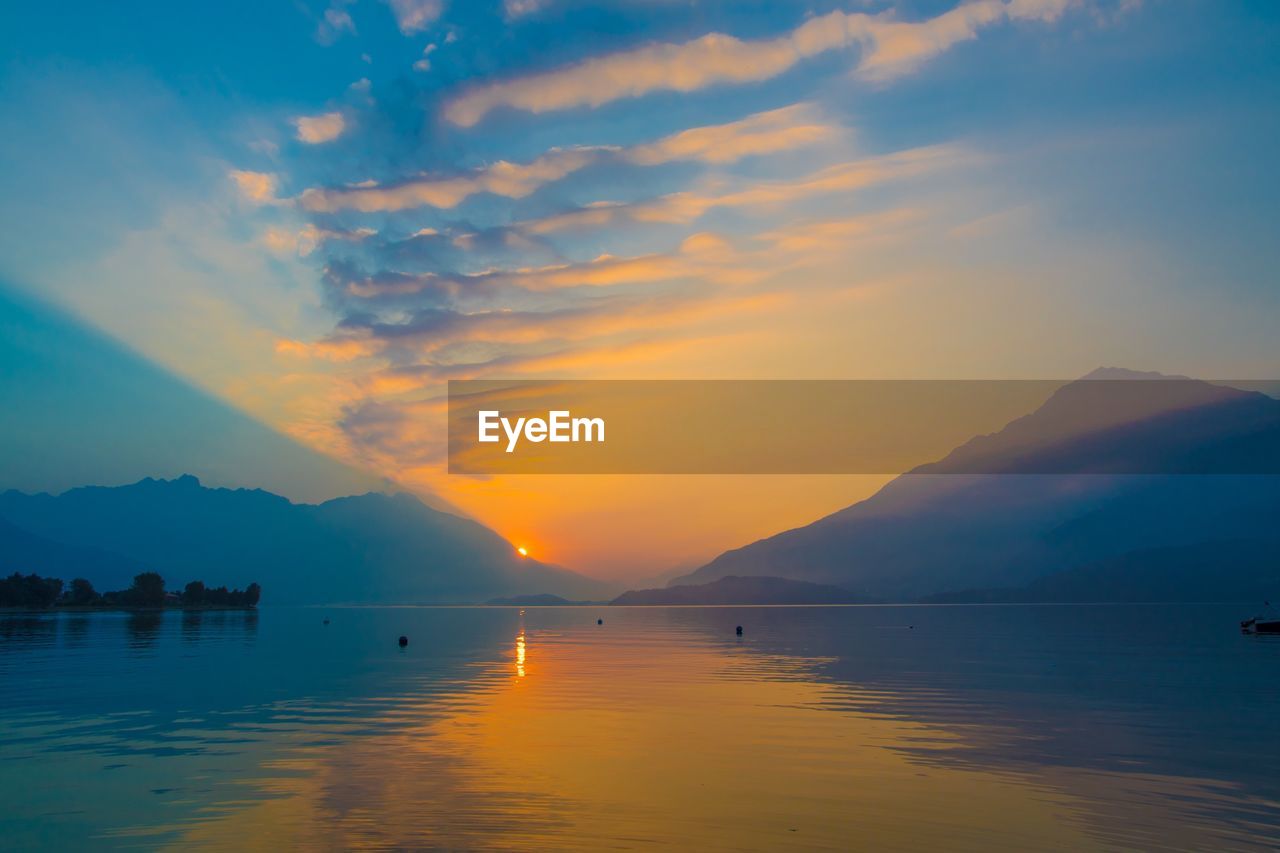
[{"x": 522, "y": 551}]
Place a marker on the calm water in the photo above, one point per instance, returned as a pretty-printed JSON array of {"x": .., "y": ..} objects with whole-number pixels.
[{"x": 859, "y": 727}]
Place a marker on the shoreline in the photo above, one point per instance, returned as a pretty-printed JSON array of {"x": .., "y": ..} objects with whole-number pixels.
[{"x": 90, "y": 608}]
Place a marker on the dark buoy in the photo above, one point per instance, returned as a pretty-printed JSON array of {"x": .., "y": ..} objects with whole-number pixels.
[
  {"x": 599, "y": 621},
  {"x": 739, "y": 630},
  {"x": 404, "y": 641},
  {"x": 326, "y": 621}
]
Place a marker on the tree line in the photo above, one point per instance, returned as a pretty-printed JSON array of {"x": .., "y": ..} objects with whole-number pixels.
[{"x": 148, "y": 590}]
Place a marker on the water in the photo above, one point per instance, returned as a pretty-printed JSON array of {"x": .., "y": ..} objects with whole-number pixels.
[{"x": 841, "y": 727}]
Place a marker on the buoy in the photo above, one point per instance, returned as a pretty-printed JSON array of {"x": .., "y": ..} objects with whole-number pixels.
[
  {"x": 599, "y": 621},
  {"x": 404, "y": 641},
  {"x": 739, "y": 630},
  {"x": 326, "y": 621}
]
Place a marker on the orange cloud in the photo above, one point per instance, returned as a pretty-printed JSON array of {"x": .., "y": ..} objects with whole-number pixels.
[
  {"x": 769, "y": 132},
  {"x": 512, "y": 180},
  {"x": 890, "y": 47},
  {"x": 255, "y": 187},
  {"x": 314, "y": 130},
  {"x": 784, "y": 129},
  {"x": 685, "y": 207},
  {"x": 344, "y": 348}
]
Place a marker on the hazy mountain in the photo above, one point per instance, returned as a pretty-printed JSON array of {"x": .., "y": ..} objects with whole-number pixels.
[
  {"x": 21, "y": 551},
  {"x": 537, "y": 600},
  {"x": 742, "y": 590},
  {"x": 1053, "y": 491},
  {"x": 1236, "y": 570},
  {"x": 368, "y": 548}
]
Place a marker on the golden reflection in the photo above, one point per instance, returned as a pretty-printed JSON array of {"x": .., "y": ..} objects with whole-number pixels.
[{"x": 688, "y": 750}]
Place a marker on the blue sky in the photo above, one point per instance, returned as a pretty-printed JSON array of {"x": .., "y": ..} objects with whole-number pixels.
[{"x": 317, "y": 213}]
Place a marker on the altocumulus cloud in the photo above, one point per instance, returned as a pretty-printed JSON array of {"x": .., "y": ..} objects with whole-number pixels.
[
  {"x": 317, "y": 129},
  {"x": 255, "y": 187},
  {"x": 414, "y": 16},
  {"x": 890, "y": 47},
  {"x": 769, "y": 132}
]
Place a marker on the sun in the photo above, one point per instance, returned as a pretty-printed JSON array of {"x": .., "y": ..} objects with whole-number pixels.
[{"x": 522, "y": 551}]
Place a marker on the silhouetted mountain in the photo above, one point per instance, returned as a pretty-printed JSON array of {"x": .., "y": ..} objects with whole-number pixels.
[
  {"x": 368, "y": 548},
  {"x": 743, "y": 590},
  {"x": 1061, "y": 494},
  {"x": 25, "y": 552}
]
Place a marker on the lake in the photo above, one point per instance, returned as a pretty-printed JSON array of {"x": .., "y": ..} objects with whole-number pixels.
[{"x": 1016, "y": 727}]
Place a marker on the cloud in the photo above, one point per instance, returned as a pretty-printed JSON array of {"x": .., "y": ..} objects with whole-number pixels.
[
  {"x": 315, "y": 130},
  {"x": 704, "y": 257},
  {"x": 337, "y": 349},
  {"x": 438, "y": 343},
  {"x": 896, "y": 47},
  {"x": 826, "y": 238},
  {"x": 769, "y": 132},
  {"x": 255, "y": 187},
  {"x": 428, "y": 327},
  {"x": 890, "y": 47},
  {"x": 310, "y": 237},
  {"x": 335, "y": 21},
  {"x": 687, "y": 206},
  {"x": 424, "y": 64},
  {"x": 414, "y": 16},
  {"x": 783, "y": 129},
  {"x": 520, "y": 8},
  {"x": 512, "y": 180}
]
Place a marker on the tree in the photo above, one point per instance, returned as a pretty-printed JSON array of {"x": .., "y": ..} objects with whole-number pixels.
[
  {"x": 251, "y": 594},
  {"x": 193, "y": 595},
  {"x": 81, "y": 592},
  {"x": 29, "y": 591},
  {"x": 147, "y": 590}
]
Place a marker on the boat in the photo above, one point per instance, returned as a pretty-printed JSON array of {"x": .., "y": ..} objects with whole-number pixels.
[{"x": 1266, "y": 622}]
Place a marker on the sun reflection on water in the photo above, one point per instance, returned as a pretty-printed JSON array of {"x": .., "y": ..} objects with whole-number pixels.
[{"x": 707, "y": 743}]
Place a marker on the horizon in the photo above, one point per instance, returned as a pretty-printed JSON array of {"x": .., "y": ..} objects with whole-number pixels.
[{"x": 1172, "y": 388}]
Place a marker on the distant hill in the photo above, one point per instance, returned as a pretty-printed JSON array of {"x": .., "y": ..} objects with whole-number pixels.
[
  {"x": 1235, "y": 571},
  {"x": 539, "y": 600},
  {"x": 1056, "y": 491},
  {"x": 742, "y": 590},
  {"x": 371, "y": 548}
]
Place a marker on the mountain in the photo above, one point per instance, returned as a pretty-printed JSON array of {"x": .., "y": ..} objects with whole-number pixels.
[
  {"x": 371, "y": 548},
  {"x": 26, "y": 552},
  {"x": 742, "y": 590},
  {"x": 1230, "y": 571},
  {"x": 1107, "y": 472},
  {"x": 538, "y": 600}
]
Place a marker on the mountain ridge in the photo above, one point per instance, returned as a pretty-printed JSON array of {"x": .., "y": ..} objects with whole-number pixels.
[
  {"x": 942, "y": 528},
  {"x": 368, "y": 548}
]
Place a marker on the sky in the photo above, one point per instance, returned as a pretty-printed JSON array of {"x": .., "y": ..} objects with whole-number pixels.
[{"x": 315, "y": 214}]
